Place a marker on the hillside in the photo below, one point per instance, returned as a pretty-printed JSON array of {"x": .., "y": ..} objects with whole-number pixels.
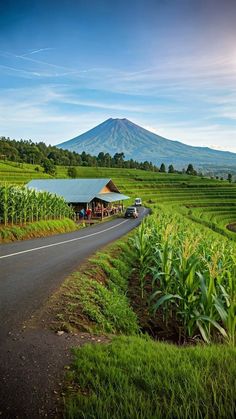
[
  {"x": 110, "y": 294},
  {"x": 121, "y": 135},
  {"x": 208, "y": 201}
]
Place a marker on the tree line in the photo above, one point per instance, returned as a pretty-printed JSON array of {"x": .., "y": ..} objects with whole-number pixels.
[
  {"x": 26, "y": 151},
  {"x": 47, "y": 156}
]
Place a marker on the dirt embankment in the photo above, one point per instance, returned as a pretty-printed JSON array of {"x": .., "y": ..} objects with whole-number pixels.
[{"x": 231, "y": 227}]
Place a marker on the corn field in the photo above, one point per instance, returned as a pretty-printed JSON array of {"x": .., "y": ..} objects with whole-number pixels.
[
  {"x": 19, "y": 205},
  {"x": 192, "y": 272}
]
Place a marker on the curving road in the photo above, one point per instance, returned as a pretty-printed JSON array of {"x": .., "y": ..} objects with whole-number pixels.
[
  {"x": 32, "y": 360},
  {"x": 30, "y": 271}
]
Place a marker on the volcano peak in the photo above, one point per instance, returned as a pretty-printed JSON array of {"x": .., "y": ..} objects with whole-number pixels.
[{"x": 116, "y": 135}]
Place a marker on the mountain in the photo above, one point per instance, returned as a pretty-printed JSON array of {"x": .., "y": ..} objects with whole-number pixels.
[{"x": 121, "y": 135}]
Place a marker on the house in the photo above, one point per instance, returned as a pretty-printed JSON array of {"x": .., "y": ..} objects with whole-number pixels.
[{"x": 101, "y": 195}]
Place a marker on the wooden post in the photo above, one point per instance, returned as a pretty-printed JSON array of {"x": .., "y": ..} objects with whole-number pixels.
[{"x": 102, "y": 211}]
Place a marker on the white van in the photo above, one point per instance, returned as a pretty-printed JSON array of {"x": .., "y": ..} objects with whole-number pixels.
[{"x": 138, "y": 202}]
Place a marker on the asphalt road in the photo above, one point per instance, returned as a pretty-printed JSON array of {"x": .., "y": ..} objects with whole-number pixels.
[{"x": 30, "y": 271}]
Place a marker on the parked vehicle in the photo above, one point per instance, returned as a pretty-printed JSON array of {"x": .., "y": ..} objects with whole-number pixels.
[
  {"x": 138, "y": 202},
  {"x": 131, "y": 212}
]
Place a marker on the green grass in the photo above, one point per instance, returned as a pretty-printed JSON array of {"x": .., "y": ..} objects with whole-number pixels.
[
  {"x": 181, "y": 192},
  {"x": 36, "y": 229},
  {"x": 107, "y": 308},
  {"x": 20, "y": 173},
  {"x": 94, "y": 298},
  {"x": 134, "y": 377}
]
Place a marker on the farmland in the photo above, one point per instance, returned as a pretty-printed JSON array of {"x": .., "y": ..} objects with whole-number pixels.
[
  {"x": 174, "y": 279},
  {"x": 189, "y": 273},
  {"x": 208, "y": 201},
  {"x": 19, "y": 205},
  {"x": 26, "y": 213}
]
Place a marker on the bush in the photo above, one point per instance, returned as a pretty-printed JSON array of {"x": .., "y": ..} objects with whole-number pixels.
[{"x": 72, "y": 172}]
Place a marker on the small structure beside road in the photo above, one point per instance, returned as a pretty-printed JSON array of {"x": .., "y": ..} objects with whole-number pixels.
[{"x": 101, "y": 196}]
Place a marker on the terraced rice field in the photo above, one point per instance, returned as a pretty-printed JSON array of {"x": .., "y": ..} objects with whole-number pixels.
[
  {"x": 209, "y": 201},
  {"x": 20, "y": 173}
]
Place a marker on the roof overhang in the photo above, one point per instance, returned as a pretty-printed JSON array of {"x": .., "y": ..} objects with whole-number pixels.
[{"x": 112, "y": 197}]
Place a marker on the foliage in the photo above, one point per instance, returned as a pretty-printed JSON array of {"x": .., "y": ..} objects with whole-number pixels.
[
  {"x": 205, "y": 200},
  {"x": 162, "y": 168},
  {"x": 171, "y": 169},
  {"x": 36, "y": 229},
  {"x": 108, "y": 309},
  {"x": 94, "y": 298},
  {"x": 133, "y": 377},
  {"x": 72, "y": 172},
  {"x": 19, "y": 205},
  {"x": 141, "y": 245},
  {"x": 193, "y": 276},
  {"x": 49, "y": 156},
  {"x": 190, "y": 170},
  {"x": 49, "y": 167}
]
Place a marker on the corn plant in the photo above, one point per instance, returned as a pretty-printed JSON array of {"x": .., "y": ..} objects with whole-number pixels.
[
  {"x": 19, "y": 205},
  {"x": 141, "y": 244},
  {"x": 193, "y": 276}
]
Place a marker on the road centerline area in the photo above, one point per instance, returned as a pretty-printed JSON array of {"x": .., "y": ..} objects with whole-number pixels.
[{"x": 62, "y": 242}]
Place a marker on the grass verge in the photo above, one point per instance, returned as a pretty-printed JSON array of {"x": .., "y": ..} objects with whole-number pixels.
[
  {"x": 94, "y": 299},
  {"x": 134, "y": 377},
  {"x": 36, "y": 229}
]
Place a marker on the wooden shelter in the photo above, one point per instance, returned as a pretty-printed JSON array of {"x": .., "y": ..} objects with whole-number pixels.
[{"x": 100, "y": 195}]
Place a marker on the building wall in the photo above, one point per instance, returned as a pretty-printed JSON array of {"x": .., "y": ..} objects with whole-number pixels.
[{"x": 106, "y": 189}]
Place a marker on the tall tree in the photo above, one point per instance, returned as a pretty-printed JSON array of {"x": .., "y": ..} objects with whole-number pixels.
[
  {"x": 229, "y": 177},
  {"x": 49, "y": 167},
  {"x": 163, "y": 168},
  {"x": 171, "y": 169},
  {"x": 72, "y": 172},
  {"x": 119, "y": 159},
  {"x": 190, "y": 170}
]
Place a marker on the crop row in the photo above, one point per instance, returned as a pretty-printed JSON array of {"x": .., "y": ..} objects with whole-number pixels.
[
  {"x": 188, "y": 275},
  {"x": 20, "y": 205}
]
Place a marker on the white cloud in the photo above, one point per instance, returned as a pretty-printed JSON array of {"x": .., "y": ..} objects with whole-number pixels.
[
  {"x": 36, "y": 51},
  {"x": 184, "y": 101}
]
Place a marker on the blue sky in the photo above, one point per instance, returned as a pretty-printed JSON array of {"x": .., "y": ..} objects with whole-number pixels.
[{"x": 169, "y": 66}]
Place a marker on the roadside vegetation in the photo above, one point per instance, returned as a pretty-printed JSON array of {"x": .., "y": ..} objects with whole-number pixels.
[
  {"x": 37, "y": 229},
  {"x": 135, "y": 377},
  {"x": 187, "y": 275},
  {"x": 208, "y": 201},
  {"x": 176, "y": 276},
  {"x": 26, "y": 213},
  {"x": 94, "y": 299},
  {"x": 19, "y": 205},
  {"x": 172, "y": 279}
]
